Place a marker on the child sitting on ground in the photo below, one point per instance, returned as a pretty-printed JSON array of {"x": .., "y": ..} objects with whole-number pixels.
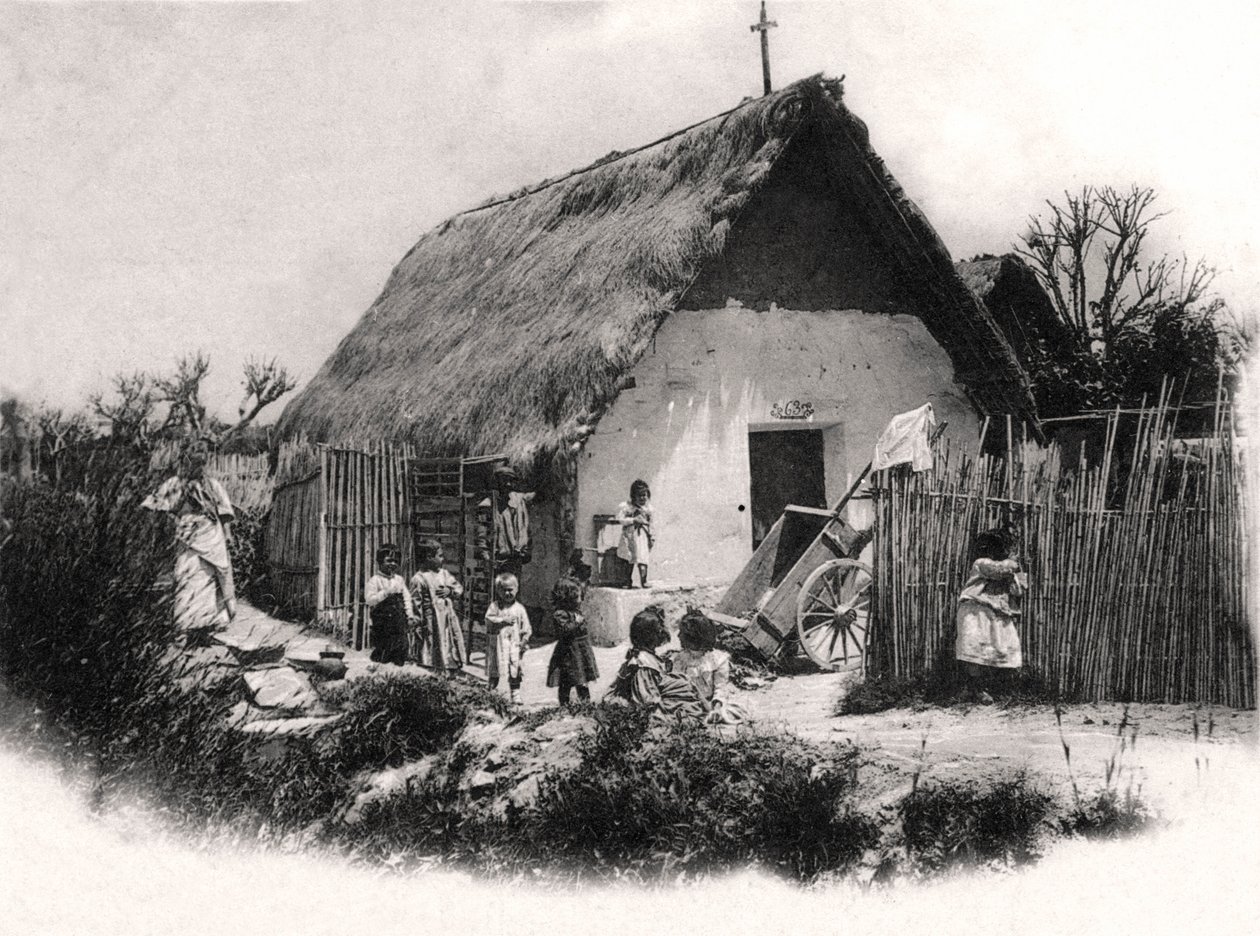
[
  {"x": 507, "y": 635},
  {"x": 707, "y": 666},
  {"x": 572, "y": 661},
  {"x": 642, "y": 679},
  {"x": 390, "y": 606},
  {"x": 434, "y": 587},
  {"x": 987, "y": 643}
]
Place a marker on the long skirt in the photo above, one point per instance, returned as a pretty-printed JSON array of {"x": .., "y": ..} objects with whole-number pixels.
[
  {"x": 444, "y": 643},
  {"x": 987, "y": 637},
  {"x": 200, "y": 601}
]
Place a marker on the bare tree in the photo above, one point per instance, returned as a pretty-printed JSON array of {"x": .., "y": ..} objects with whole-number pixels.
[
  {"x": 182, "y": 394},
  {"x": 265, "y": 382},
  {"x": 129, "y": 415},
  {"x": 1089, "y": 255},
  {"x": 59, "y": 433}
]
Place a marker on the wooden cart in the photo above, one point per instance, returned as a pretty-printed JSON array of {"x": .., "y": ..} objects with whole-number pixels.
[{"x": 804, "y": 585}]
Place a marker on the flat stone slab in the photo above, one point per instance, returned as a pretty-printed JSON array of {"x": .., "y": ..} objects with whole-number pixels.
[
  {"x": 280, "y": 688},
  {"x": 302, "y": 727},
  {"x": 257, "y": 644}
]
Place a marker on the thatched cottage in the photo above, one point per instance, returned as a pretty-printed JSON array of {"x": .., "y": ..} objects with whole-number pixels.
[{"x": 731, "y": 313}]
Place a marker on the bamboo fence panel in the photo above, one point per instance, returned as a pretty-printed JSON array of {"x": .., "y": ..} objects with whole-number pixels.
[
  {"x": 1136, "y": 563},
  {"x": 332, "y": 509}
]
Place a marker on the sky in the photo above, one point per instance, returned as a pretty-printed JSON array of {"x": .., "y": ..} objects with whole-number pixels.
[{"x": 240, "y": 179}]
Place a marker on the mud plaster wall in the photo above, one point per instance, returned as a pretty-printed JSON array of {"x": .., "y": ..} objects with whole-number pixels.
[
  {"x": 731, "y": 351},
  {"x": 714, "y": 376}
]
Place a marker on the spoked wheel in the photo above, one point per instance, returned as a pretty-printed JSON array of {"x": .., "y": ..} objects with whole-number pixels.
[{"x": 831, "y": 614}]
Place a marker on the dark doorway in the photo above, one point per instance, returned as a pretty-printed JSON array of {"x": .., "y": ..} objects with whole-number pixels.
[{"x": 784, "y": 468}]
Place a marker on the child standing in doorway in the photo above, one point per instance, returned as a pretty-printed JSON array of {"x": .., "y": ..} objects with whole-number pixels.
[
  {"x": 507, "y": 635},
  {"x": 434, "y": 588},
  {"x": 572, "y": 663},
  {"x": 988, "y": 644},
  {"x": 635, "y": 517}
]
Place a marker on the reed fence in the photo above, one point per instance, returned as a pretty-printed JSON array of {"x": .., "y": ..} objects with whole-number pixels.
[
  {"x": 332, "y": 508},
  {"x": 1136, "y": 563},
  {"x": 246, "y": 478}
]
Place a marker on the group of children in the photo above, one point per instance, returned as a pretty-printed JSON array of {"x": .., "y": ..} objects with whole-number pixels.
[
  {"x": 692, "y": 683},
  {"x": 418, "y": 620}
]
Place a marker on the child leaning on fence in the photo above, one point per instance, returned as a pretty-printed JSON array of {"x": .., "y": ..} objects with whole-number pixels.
[
  {"x": 987, "y": 643},
  {"x": 390, "y": 607},
  {"x": 507, "y": 635}
]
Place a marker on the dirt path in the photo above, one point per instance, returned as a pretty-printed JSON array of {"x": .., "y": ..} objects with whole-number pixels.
[{"x": 973, "y": 742}]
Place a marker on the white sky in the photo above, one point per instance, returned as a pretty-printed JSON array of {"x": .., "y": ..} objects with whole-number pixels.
[{"x": 241, "y": 178}]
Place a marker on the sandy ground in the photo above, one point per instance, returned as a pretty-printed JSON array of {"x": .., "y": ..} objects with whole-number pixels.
[{"x": 977, "y": 741}]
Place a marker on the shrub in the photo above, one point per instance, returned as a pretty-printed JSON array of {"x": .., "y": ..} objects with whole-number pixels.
[
  {"x": 941, "y": 687},
  {"x": 248, "y": 552},
  {"x": 653, "y": 799},
  {"x": 950, "y": 824},
  {"x": 1109, "y": 814},
  {"x": 394, "y": 716}
]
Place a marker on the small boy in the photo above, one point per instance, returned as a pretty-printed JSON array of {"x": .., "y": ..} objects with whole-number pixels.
[
  {"x": 507, "y": 634},
  {"x": 390, "y": 605}
]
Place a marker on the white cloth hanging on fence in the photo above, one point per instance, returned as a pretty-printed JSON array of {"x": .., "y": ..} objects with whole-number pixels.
[{"x": 907, "y": 438}]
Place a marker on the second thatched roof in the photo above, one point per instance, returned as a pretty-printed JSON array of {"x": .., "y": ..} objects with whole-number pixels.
[{"x": 511, "y": 327}]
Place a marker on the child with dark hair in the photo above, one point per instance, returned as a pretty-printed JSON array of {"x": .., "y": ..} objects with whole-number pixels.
[
  {"x": 572, "y": 661},
  {"x": 635, "y": 517},
  {"x": 642, "y": 679},
  {"x": 390, "y": 607},
  {"x": 707, "y": 666},
  {"x": 579, "y": 570},
  {"x": 434, "y": 588},
  {"x": 987, "y": 642}
]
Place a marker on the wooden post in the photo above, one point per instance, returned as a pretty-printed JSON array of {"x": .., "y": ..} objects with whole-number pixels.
[
  {"x": 763, "y": 26},
  {"x": 321, "y": 535}
]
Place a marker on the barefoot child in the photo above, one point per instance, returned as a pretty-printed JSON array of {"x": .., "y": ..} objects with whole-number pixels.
[
  {"x": 507, "y": 634},
  {"x": 434, "y": 587},
  {"x": 572, "y": 661},
  {"x": 988, "y": 607},
  {"x": 390, "y": 606},
  {"x": 635, "y": 517}
]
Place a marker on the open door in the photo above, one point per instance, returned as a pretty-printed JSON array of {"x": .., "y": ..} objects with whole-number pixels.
[{"x": 784, "y": 468}]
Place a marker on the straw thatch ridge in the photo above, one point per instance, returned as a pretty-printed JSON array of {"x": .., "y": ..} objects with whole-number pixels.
[
  {"x": 510, "y": 327},
  {"x": 1017, "y": 301}
]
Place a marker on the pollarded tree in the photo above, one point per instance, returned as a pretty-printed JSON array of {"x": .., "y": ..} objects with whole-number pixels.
[{"x": 1139, "y": 317}]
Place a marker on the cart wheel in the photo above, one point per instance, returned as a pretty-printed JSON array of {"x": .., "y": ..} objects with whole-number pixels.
[{"x": 832, "y": 611}]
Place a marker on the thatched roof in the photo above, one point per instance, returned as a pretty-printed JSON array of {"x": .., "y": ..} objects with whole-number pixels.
[
  {"x": 1017, "y": 301},
  {"x": 510, "y": 327}
]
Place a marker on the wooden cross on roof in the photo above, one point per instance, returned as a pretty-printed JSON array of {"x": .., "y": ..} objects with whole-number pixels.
[{"x": 764, "y": 28}]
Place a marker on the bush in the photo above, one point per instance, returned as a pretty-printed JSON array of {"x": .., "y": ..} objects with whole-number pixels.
[
  {"x": 392, "y": 717},
  {"x": 1108, "y": 814},
  {"x": 650, "y": 799},
  {"x": 248, "y": 552},
  {"x": 951, "y": 824},
  {"x": 941, "y": 687}
]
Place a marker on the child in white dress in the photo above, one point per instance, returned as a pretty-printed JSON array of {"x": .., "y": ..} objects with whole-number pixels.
[
  {"x": 987, "y": 643},
  {"x": 635, "y": 517},
  {"x": 707, "y": 666},
  {"x": 507, "y": 635}
]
